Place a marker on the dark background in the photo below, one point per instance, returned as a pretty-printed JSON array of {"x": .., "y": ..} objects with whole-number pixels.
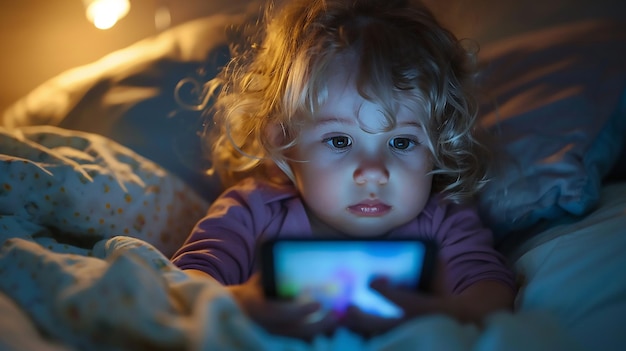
[{"x": 42, "y": 38}]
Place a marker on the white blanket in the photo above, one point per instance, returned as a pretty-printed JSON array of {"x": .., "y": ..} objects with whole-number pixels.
[{"x": 129, "y": 297}]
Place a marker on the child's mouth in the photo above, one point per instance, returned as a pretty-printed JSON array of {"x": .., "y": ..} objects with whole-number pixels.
[{"x": 369, "y": 209}]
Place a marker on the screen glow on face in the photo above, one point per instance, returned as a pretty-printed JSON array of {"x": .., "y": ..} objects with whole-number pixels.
[{"x": 337, "y": 274}]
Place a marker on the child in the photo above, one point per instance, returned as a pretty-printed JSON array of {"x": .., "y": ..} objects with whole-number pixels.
[{"x": 351, "y": 118}]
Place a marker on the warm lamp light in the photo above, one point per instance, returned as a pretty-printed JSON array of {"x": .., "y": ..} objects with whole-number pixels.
[{"x": 104, "y": 14}]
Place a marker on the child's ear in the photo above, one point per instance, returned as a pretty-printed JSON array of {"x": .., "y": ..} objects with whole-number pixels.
[
  {"x": 276, "y": 137},
  {"x": 276, "y": 134}
]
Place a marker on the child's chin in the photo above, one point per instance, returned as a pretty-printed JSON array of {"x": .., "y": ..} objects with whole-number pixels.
[{"x": 367, "y": 231}]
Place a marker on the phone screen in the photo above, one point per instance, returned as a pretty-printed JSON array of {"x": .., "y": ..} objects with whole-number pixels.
[{"x": 337, "y": 273}]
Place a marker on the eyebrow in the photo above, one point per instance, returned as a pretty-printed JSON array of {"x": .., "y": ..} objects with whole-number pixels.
[
  {"x": 350, "y": 121},
  {"x": 411, "y": 124},
  {"x": 329, "y": 120}
]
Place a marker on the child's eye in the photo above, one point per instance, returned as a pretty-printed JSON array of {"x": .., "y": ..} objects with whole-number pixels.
[
  {"x": 401, "y": 143},
  {"x": 338, "y": 142}
]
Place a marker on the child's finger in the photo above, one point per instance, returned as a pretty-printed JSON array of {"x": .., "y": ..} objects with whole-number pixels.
[
  {"x": 305, "y": 329},
  {"x": 413, "y": 303},
  {"x": 367, "y": 324},
  {"x": 401, "y": 297},
  {"x": 285, "y": 312}
]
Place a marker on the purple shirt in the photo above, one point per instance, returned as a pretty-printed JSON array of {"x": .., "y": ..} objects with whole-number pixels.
[{"x": 223, "y": 243}]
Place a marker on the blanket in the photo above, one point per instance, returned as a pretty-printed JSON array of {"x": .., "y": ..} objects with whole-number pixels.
[
  {"x": 128, "y": 296},
  {"x": 84, "y": 265}
]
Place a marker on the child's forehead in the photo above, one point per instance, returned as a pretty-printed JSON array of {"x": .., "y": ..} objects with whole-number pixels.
[
  {"x": 347, "y": 69},
  {"x": 366, "y": 114},
  {"x": 343, "y": 65},
  {"x": 346, "y": 90},
  {"x": 345, "y": 108},
  {"x": 341, "y": 78}
]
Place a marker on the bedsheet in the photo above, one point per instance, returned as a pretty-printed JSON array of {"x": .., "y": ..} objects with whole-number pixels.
[
  {"x": 575, "y": 271},
  {"x": 98, "y": 281}
]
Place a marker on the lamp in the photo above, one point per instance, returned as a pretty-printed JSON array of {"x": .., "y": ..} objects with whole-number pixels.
[{"x": 104, "y": 14}]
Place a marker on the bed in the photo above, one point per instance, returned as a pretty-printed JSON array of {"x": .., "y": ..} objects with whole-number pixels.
[{"x": 101, "y": 180}]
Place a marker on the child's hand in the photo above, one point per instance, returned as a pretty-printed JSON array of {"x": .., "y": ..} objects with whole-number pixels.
[
  {"x": 411, "y": 302},
  {"x": 470, "y": 306},
  {"x": 287, "y": 318}
]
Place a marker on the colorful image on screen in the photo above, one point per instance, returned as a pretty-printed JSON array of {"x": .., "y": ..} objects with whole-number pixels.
[{"x": 337, "y": 274}]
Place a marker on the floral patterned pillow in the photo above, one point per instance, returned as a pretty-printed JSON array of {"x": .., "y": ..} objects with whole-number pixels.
[{"x": 85, "y": 187}]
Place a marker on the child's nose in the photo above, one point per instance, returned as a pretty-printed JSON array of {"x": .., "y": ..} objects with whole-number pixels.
[{"x": 374, "y": 172}]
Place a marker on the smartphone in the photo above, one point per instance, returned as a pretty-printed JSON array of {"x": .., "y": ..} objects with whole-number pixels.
[{"x": 337, "y": 273}]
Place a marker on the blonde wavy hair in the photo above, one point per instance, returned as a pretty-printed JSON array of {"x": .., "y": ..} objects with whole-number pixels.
[{"x": 403, "y": 53}]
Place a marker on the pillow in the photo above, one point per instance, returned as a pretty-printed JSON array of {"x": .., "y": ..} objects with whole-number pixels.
[
  {"x": 85, "y": 187},
  {"x": 494, "y": 20},
  {"x": 553, "y": 103},
  {"x": 131, "y": 96}
]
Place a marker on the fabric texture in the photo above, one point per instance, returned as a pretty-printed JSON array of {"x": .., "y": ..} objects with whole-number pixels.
[
  {"x": 223, "y": 244},
  {"x": 554, "y": 103},
  {"x": 127, "y": 296},
  {"x": 574, "y": 272},
  {"x": 144, "y": 96},
  {"x": 84, "y": 185}
]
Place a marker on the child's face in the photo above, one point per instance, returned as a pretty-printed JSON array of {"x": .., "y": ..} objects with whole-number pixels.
[{"x": 357, "y": 177}]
